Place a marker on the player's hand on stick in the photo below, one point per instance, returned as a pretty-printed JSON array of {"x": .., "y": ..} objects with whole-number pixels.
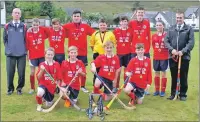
[
  {"x": 128, "y": 74},
  {"x": 42, "y": 67}
]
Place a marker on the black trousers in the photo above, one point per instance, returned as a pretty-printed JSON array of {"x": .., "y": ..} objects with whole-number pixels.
[
  {"x": 11, "y": 62},
  {"x": 95, "y": 55},
  {"x": 183, "y": 76}
]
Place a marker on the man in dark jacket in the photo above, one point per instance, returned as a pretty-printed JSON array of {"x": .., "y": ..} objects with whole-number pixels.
[
  {"x": 15, "y": 51},
  {"x": 179, "y": 41}
]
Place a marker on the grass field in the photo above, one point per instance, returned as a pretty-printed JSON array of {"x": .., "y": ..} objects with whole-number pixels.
[{"x": 23, "y": 108}]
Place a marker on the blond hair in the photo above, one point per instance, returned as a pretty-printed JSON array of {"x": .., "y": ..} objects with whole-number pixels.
[
  {"x": 71, "y": 48},
  {"x": 108, "y": 43},
  {"x": 50, "y": 49},
  {"x": 139, "y": 46},
  {"x": 36, "y": 20},
  {"x": 54, "y": 20}
]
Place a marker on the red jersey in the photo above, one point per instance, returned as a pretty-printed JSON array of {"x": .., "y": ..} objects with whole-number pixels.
[
  {"x": 77, "y": 36},
  {"x": 35, "y": 43},
  {"x": 124, "y": 40},
  {"x": 45, "y": 80},
  {"x": 160, "y": 50},
  {"x": 107, "y": 65},
  {"x": 141, "y": 34},
  {"x": 69, "y": 70},
  {"x": 57, "y": 40},
  {"x": 141, "y": 71}
]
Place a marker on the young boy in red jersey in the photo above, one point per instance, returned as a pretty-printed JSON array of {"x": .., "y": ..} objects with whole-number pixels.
[
  {"x": 35, "y": 43},
  {"x": 46, "y": 88},
  {"x": 57, "y": 37},
  {"x": 139, "y": 71},
  {"x": 123, "y": 36},
  {"x": 77, "y": 33},
  {"x": 141, "y": 32},
  {"x": 69, "y": 68},
  {"x": 160, "y": 59},
  {"x": 109, "y": 70}
]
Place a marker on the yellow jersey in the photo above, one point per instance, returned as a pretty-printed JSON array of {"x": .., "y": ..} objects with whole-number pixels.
[{"x": 98, "y": 39}]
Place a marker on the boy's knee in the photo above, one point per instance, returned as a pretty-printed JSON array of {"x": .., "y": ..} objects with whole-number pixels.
[{"x": 40, "y": 92}]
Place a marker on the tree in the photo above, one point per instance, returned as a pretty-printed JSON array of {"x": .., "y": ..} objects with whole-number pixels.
[
  {"x": 46, "y": 9},
  {"x": 92, "y": 17},
  {"x": 10, "y": 5}
]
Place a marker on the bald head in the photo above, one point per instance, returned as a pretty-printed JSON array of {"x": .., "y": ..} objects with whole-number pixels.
[{"x": 16, "y": 14}]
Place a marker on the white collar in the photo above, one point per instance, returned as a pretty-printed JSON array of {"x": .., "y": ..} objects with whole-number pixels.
[
  {"x": 181, "y": 26},
  {"x": 15, "y": 22}
]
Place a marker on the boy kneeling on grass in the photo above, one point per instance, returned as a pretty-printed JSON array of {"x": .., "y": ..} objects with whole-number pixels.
[
  {"x": 139, "y": 71},
  {"x": 70, "y": 68},
  {"x": 47, "y": 87},
  {"x": 109, "y": 70}
]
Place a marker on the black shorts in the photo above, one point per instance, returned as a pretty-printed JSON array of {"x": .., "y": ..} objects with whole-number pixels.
[
  {"x": 47, "y": 95},
  {"x": 124, "y": 59},
  {"x": 160, "y": 65},
  {"x": 139, "y": 92},
  {"x": 59, "y": 58},
  {"x": 109, "y": 83},
  {"x": 134, "y": 55},
  {"x": 83, "y": 59},
  {"x": 36, "y": 62},
  {"x": 73, "y": 93}
]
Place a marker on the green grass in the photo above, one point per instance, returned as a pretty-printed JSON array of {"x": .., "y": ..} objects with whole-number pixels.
[{"x": 23, "y": 108}]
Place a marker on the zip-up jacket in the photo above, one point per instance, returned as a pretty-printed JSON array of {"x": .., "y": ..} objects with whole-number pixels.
[
  {"x": 182, "y": 40},
  {"x": 14, "y": 39}
]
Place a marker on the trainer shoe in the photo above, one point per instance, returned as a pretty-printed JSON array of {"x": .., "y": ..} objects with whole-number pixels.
[
  {"x": 9, "y": 92},
  {"x": 162, "y": 94},
  {"x": 114, "y": 90},
  {"x": 131, "y": 102},
  {"x": 39, "y": 107},
  {"x": 183, "y": 99},
  {"x": 84, "y": 89},
  {"x": 67, "y": 103},
  {"x": 48, "y": 104},
  {"x": 31, "y": 91},
  {"x": 156, "y": 93},
  {"x": 147, "y": 93},
  {"x": 19, "y": 92},
  {"x": 75, "y": 101}
]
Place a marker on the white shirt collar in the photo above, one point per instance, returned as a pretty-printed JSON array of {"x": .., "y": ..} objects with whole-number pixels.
[
  {"x": 181, "y": 26},
  {"x": 15, "y": 22}
]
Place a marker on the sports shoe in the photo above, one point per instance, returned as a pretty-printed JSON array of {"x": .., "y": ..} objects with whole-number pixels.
[
  {"x": 114, "y": 90},
  {"x": 147, "y": 93},
  {"x": 67, "y": 103},
  {"x": 39, "y": 107},
  {"x": 48, "y": 104},
  {"x": 19, "y": 92},
  {"x": 131, "y": 102},
  {"x": 31, "y": 91},
  {"x": 162, "y": 94},
  {"x": 84, "y": 89},
  {"x": 156, "y": 93}
]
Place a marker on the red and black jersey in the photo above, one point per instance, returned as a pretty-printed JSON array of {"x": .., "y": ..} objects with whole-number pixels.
[
  {"x": 160, "y": 50},
  {"x": 107, "y": 65},
  {"x": 45, "y": 80},
  {"x": 69, "y": 70},
  {"x": 141, "y": 34},
  {"x": 124, "y": 40},
  {"x": 77, "y": 36},
  {"x": 141, "y": 71}
]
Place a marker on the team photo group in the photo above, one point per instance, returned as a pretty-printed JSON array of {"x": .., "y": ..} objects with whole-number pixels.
[{"x": 125, "y": 51}]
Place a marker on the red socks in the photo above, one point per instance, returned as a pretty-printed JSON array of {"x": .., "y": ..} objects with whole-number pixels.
[
  {"x": 97, "y": 91},
  {"x": 164, "y": 84},
  {"x": 83, "y": 80},
  {"x": 157, "y": 83},
  {"x": 131, "y": 95},
  {"x": 39, "y": 99},
  {"x": 32, "y": 81}
]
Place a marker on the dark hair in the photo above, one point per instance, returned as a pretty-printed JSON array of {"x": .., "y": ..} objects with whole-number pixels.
[
  {"x": 161, "y": 22},
  {"x": 102, "y": 20},
  {"x": 123, "y": 18},
  {"x": 76, "y": 12},
  {"x": 54, "y": 20},
  {"x": 139, "y": 45},
  {"x": 140, "y": 8},
  {"x": 179, "y": 11},
  {"x": 36, "y": 20}
]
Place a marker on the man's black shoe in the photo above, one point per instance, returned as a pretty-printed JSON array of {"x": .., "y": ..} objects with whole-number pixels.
[
  {"x": 182, "y": 98},
  {"x": 19, "y": 92},
  {"x": 9, "y": 92},
  {"x": 170, "y": 98}
]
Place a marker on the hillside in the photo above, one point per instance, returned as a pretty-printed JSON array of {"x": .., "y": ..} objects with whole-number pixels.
[{"x": 120, "y": 7}]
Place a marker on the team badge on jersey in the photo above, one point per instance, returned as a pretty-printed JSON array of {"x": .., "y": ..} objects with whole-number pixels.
[
  {"x": 113, "y": 62},
  {"x": 144, "y": 26},
  {"x": 146, "y": 64},
  {"x": 82, "y": 29},
  {"x": 40, "y": 35},
  {"x": 60, "y": 33},
  {"x": 54, "y": 70},
  {"x": 128, "y": 34},
  {"x": 77, "y": 66}
]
